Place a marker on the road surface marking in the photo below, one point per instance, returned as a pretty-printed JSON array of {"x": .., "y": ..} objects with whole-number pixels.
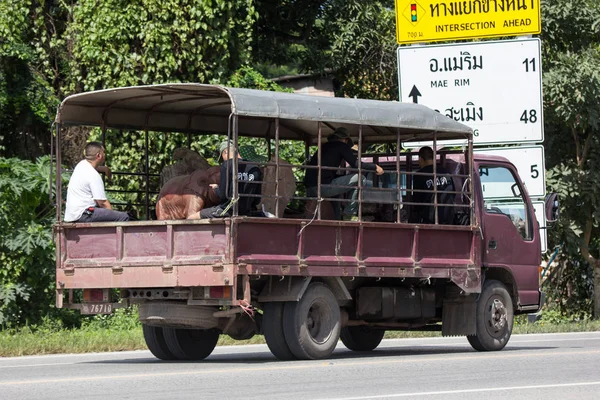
[{"x": 461, "y": 391}]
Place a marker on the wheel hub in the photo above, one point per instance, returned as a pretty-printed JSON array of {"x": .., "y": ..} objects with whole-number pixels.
[
  {"x": 317, "y": 323},
  {"x": 498, "y": 315}
]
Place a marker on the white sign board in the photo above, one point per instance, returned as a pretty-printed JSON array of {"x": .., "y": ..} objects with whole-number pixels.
[
  {"x": 529, "y": 161},
  {"x": 495, "y": 87},
  {"x": 540, "y": 215}
]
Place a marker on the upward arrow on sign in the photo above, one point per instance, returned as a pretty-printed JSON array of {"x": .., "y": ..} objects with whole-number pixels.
[{"x": 414, "y": 93}]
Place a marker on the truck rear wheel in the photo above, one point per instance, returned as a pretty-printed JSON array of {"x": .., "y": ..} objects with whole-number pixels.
[
  {"x": 191, "y": 344},
  {"x": 361, "y": 338},
  {"x": 494, "y": 319},
  {"x": 155, "y": 340},
  {"x": 273, "y": 331},
  {"x": 312, "y": 325}
]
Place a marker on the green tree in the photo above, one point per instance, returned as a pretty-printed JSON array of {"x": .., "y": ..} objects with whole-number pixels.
[
  {"x": 26, "y": 248},
  {"x": 571, "y": 42},
  {"x": 50, "y": 49},
  {"x": 351, "y": 40}
]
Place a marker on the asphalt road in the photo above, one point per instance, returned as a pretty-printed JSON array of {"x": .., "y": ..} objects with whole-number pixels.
[{"x": 551, "y": 366}]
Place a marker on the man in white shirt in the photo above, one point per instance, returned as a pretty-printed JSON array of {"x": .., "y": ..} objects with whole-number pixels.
[{"x": 86, "y": 199}]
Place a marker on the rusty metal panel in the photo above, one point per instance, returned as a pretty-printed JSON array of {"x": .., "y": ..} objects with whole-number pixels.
[
  {"x": 105, "y": 277},
  {"x": 144, "y": 241},
  {"x": 193, "y": 241},
  {"x": 333, "y": 241},
  {"x": 91, "y": 243},
  {"x": 387, "y": 246},
  {"x": 204, "y": 275},
  {"x": 444, "y": 246},
  {"x": 258, "y": 239}
]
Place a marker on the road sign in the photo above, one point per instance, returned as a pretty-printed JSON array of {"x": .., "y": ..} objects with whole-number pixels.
[
  {"x": 420, "y": 21},
  {"x": 540, "y": 215},
  {"x": 530, "y": 164},
  {"x": 494, "y": 87}
]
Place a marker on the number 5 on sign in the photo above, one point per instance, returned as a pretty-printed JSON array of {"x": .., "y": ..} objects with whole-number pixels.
[{"x": 529, "y": 161}]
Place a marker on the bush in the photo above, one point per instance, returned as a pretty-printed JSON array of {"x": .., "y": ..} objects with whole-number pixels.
[{"x": 26, "y": 247}]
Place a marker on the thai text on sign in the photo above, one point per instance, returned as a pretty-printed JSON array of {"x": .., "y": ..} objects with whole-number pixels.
[{"x": 420, "y": 21}]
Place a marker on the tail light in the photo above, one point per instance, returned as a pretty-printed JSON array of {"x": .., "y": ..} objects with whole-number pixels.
[
  {"x": 220, "y": 292},
  {"x": 95, "y": 295}
]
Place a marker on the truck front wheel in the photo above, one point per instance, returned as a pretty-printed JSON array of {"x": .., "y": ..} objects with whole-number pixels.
[
  {"x": 191, "y": 344},
  {"x": 361, "y": 338},
  {"x": 494, "y": 319},
  {"x": 312, "y": 325},
  {"x": 155, "y": 340}
]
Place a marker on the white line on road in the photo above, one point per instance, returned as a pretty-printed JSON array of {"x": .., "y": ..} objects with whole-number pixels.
[{"x": 446, "y": 392}]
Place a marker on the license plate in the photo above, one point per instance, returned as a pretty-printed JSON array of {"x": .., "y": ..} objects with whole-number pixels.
[{"x": 96, "y": 308}]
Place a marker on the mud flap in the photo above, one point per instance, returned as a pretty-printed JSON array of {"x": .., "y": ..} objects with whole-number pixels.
[{"x": 458, "y": 316}]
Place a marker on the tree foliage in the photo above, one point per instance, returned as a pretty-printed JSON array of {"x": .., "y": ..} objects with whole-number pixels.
[
  {"x": 26, "y": 248},
  {"x": 50, "y": 49},
  {"x": 351, "y": 40},
  {"x": 571, "y": 40},
  {"x": 151, "y": 41}
]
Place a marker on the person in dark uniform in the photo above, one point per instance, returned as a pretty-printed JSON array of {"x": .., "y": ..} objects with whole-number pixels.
[
  {"x": 249, "y": 176},
  {"x": 336, "y": 150},
  {"x": 425, "y": 213}
]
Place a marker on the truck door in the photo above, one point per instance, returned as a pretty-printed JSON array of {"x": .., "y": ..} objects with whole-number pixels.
[{"x": 510, "y": 231}]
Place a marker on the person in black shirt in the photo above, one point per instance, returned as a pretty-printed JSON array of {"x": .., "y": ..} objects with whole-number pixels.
[
  {"x": 424, "y": 213},
  {"x": 248, "y": 177},
  {"x": 336, "y": 150}
]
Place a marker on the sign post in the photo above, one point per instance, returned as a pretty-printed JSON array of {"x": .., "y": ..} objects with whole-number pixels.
[
  {"x": 419, "y": 21},
  {"x": 495, "y": 86}
]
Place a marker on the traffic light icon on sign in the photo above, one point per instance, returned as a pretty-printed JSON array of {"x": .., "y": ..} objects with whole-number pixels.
[{"x": 413, "y": 12}]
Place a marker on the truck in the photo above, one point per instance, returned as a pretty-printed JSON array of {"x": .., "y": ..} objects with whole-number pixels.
[{"x": 304, "y": 282}]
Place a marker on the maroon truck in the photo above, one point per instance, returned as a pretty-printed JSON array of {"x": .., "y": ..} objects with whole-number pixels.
[{"x": 305, "y": 282}]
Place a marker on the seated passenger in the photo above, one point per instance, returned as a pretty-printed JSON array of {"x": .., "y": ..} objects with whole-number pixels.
[
  {"x": 247, "y": 174},
  {"x": 336, "y": 150},
  {"x": 425, "y": 213},
  {"x": 86, "y": 198}
]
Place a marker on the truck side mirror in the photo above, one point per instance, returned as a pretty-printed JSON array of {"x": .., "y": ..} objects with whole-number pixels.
[{"x": 552, "y": 207}]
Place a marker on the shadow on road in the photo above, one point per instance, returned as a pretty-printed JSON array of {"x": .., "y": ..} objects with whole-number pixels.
[{"x": 262, "y": 356}]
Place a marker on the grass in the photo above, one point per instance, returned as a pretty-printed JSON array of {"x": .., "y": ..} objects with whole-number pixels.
[{"x": 102, "y": 336}]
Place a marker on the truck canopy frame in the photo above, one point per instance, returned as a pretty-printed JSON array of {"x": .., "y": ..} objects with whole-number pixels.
[
  {"x": 211, "y": 109},
  {"x": 199, "y": 108}
]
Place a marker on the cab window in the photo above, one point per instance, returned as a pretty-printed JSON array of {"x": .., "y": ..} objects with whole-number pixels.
[{"x": 502, "y": 194}]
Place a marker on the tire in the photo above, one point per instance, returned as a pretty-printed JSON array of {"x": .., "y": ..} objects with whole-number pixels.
[
  {"x": 191, "y": 344},
  {"x": 273, "y": 331},
  {"x": 494, "y": 318},
  {"x": 361, "y": 338},
  {"x": 312, "y": 325},
  {"x": 155, "y": 340}
]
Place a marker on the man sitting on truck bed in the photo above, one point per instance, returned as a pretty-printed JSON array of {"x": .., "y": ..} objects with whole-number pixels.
[
  {"x": 424, "y": 213},
  {"x": 86, "y": 198},
  {"x": 336, "y": 149},
  {"x": 249, "y": 177}
]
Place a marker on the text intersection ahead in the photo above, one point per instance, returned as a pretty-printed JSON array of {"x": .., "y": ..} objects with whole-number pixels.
[{"x": 420, "y": 21}]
